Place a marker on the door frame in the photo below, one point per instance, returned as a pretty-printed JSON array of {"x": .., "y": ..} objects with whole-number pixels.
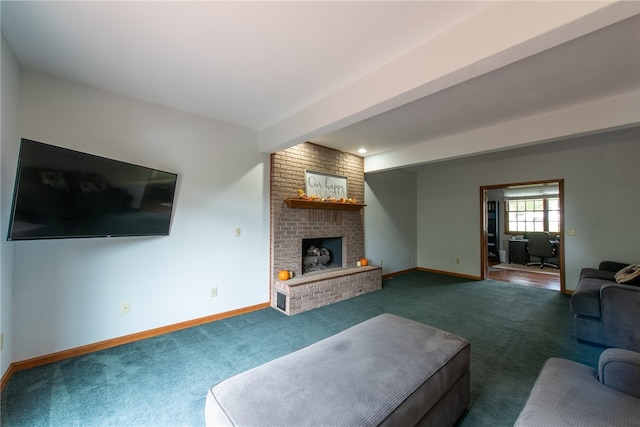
[{"x": 484, "y": 234}]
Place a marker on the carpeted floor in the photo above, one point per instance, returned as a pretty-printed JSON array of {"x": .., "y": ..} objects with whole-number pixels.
[{"x": 163, "y": 381}]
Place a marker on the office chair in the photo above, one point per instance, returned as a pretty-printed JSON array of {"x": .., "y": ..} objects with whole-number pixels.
[{"x": 541, "y": 246}]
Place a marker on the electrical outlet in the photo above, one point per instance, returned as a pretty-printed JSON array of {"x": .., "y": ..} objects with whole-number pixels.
[
  {"x": 214, "y": 292},
  {"x": 238, "y": 232},
  {"x": 125, "y": 308},
  {"x": 457, "y": 260},
  {"x": 571, "y": 232},
  {"x": 381, "y": 263},
  {"x": 1, "y": 341}
]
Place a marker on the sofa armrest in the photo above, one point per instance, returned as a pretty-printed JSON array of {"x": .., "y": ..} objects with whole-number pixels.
[
  {"x": 620, "y": 311},
  {"x": 620, "y": 369},
  {"x": 613, "y": 266}
]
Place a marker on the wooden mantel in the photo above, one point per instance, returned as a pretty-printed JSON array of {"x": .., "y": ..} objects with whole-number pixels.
[{"x": 307, "y": 204}]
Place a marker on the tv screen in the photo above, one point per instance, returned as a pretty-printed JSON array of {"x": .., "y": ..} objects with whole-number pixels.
[{"x": 61, "y": 193}]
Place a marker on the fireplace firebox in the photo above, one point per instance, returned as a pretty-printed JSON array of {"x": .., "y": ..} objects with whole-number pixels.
[{"x": 321, "y": 254}]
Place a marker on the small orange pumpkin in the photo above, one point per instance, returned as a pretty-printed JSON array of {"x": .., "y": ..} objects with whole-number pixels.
[
  {"x": 364, "y": 262},
  {"x": 283, "y": 274}
]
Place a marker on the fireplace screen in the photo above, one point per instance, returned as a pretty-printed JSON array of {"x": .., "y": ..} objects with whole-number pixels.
[{"x": 321, "y": 254}]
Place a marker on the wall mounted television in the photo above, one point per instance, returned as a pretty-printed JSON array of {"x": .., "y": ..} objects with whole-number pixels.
[{"x": 61, "y": 193}]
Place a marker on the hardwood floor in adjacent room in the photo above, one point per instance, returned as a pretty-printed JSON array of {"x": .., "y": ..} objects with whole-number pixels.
[{"x": 546, "y": 281}]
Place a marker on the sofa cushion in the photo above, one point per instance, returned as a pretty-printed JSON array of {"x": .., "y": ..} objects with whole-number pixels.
[
  {"x": 585, "y": 301},
  {"x": 629, "y": 275},
  {"x": 592, "y": 273},
  {"x": 612, "y": 266}
]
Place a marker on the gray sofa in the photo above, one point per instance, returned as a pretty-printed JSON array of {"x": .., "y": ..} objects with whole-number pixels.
[
  {"x": 567, "y": 393},
  {"x": 606, "y": 312}
]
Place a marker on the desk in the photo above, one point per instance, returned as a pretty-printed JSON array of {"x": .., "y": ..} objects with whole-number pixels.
[{"x": 519, "y": 251}]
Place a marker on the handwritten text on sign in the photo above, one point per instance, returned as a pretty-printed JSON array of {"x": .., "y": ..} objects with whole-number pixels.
[{"x": 325, "y": 186}]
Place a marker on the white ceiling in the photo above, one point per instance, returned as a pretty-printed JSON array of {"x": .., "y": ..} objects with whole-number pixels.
[
  {"x": 324, "y": 71},
  {"x": 247, "y": 63}
]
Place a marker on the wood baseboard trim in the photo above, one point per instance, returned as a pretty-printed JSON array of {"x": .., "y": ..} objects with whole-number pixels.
[
  {"x": 114, "y": 342},
  {"x": 449, "y": 273},
  {"x": 397, "y": 273},
  {"x": 5, "y": 378}
]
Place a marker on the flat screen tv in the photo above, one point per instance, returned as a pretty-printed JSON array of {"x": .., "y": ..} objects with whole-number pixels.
[{"x": 61, "y": 193}]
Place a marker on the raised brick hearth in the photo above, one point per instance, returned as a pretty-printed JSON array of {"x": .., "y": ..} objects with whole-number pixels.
[
  {"x": 319, "y": 289},
  {"x": 289, "y": 226}
]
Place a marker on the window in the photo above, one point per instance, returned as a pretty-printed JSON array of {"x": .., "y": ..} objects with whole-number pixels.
[{"x": 534, "y": 214}]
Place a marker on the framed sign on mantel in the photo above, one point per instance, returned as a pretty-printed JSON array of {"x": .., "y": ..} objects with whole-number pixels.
[{"x": 325, "y": 185}]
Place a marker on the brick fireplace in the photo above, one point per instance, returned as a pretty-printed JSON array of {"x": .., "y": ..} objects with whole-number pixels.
[{"x": 291, "y": 226}]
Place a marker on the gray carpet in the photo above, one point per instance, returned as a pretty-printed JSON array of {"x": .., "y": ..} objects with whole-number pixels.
[{"x": 163, "y": 381}]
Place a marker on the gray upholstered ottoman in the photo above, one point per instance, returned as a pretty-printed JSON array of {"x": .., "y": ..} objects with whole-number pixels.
[{"x": 385, "y": 371}]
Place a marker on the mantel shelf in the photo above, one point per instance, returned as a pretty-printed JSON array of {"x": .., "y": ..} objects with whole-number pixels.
[{"x": 307, "y": 204}]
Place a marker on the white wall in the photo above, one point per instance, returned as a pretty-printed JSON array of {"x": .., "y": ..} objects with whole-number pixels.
[
  {"x": 601, "y": 193},
  {"x": 68, "y": 292},
  {"x": 390, "y": 220},
  {"x": 10, "y": 113}
]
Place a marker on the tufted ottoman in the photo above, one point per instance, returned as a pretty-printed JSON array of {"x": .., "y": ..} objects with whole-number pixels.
[{"x": 387, "y": 370}]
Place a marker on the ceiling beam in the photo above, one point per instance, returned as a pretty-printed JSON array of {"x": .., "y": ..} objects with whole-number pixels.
[{"x": 616, "y": 112}]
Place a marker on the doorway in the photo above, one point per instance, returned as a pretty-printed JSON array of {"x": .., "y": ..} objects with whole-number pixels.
[{"x": 495, "y": 239}]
